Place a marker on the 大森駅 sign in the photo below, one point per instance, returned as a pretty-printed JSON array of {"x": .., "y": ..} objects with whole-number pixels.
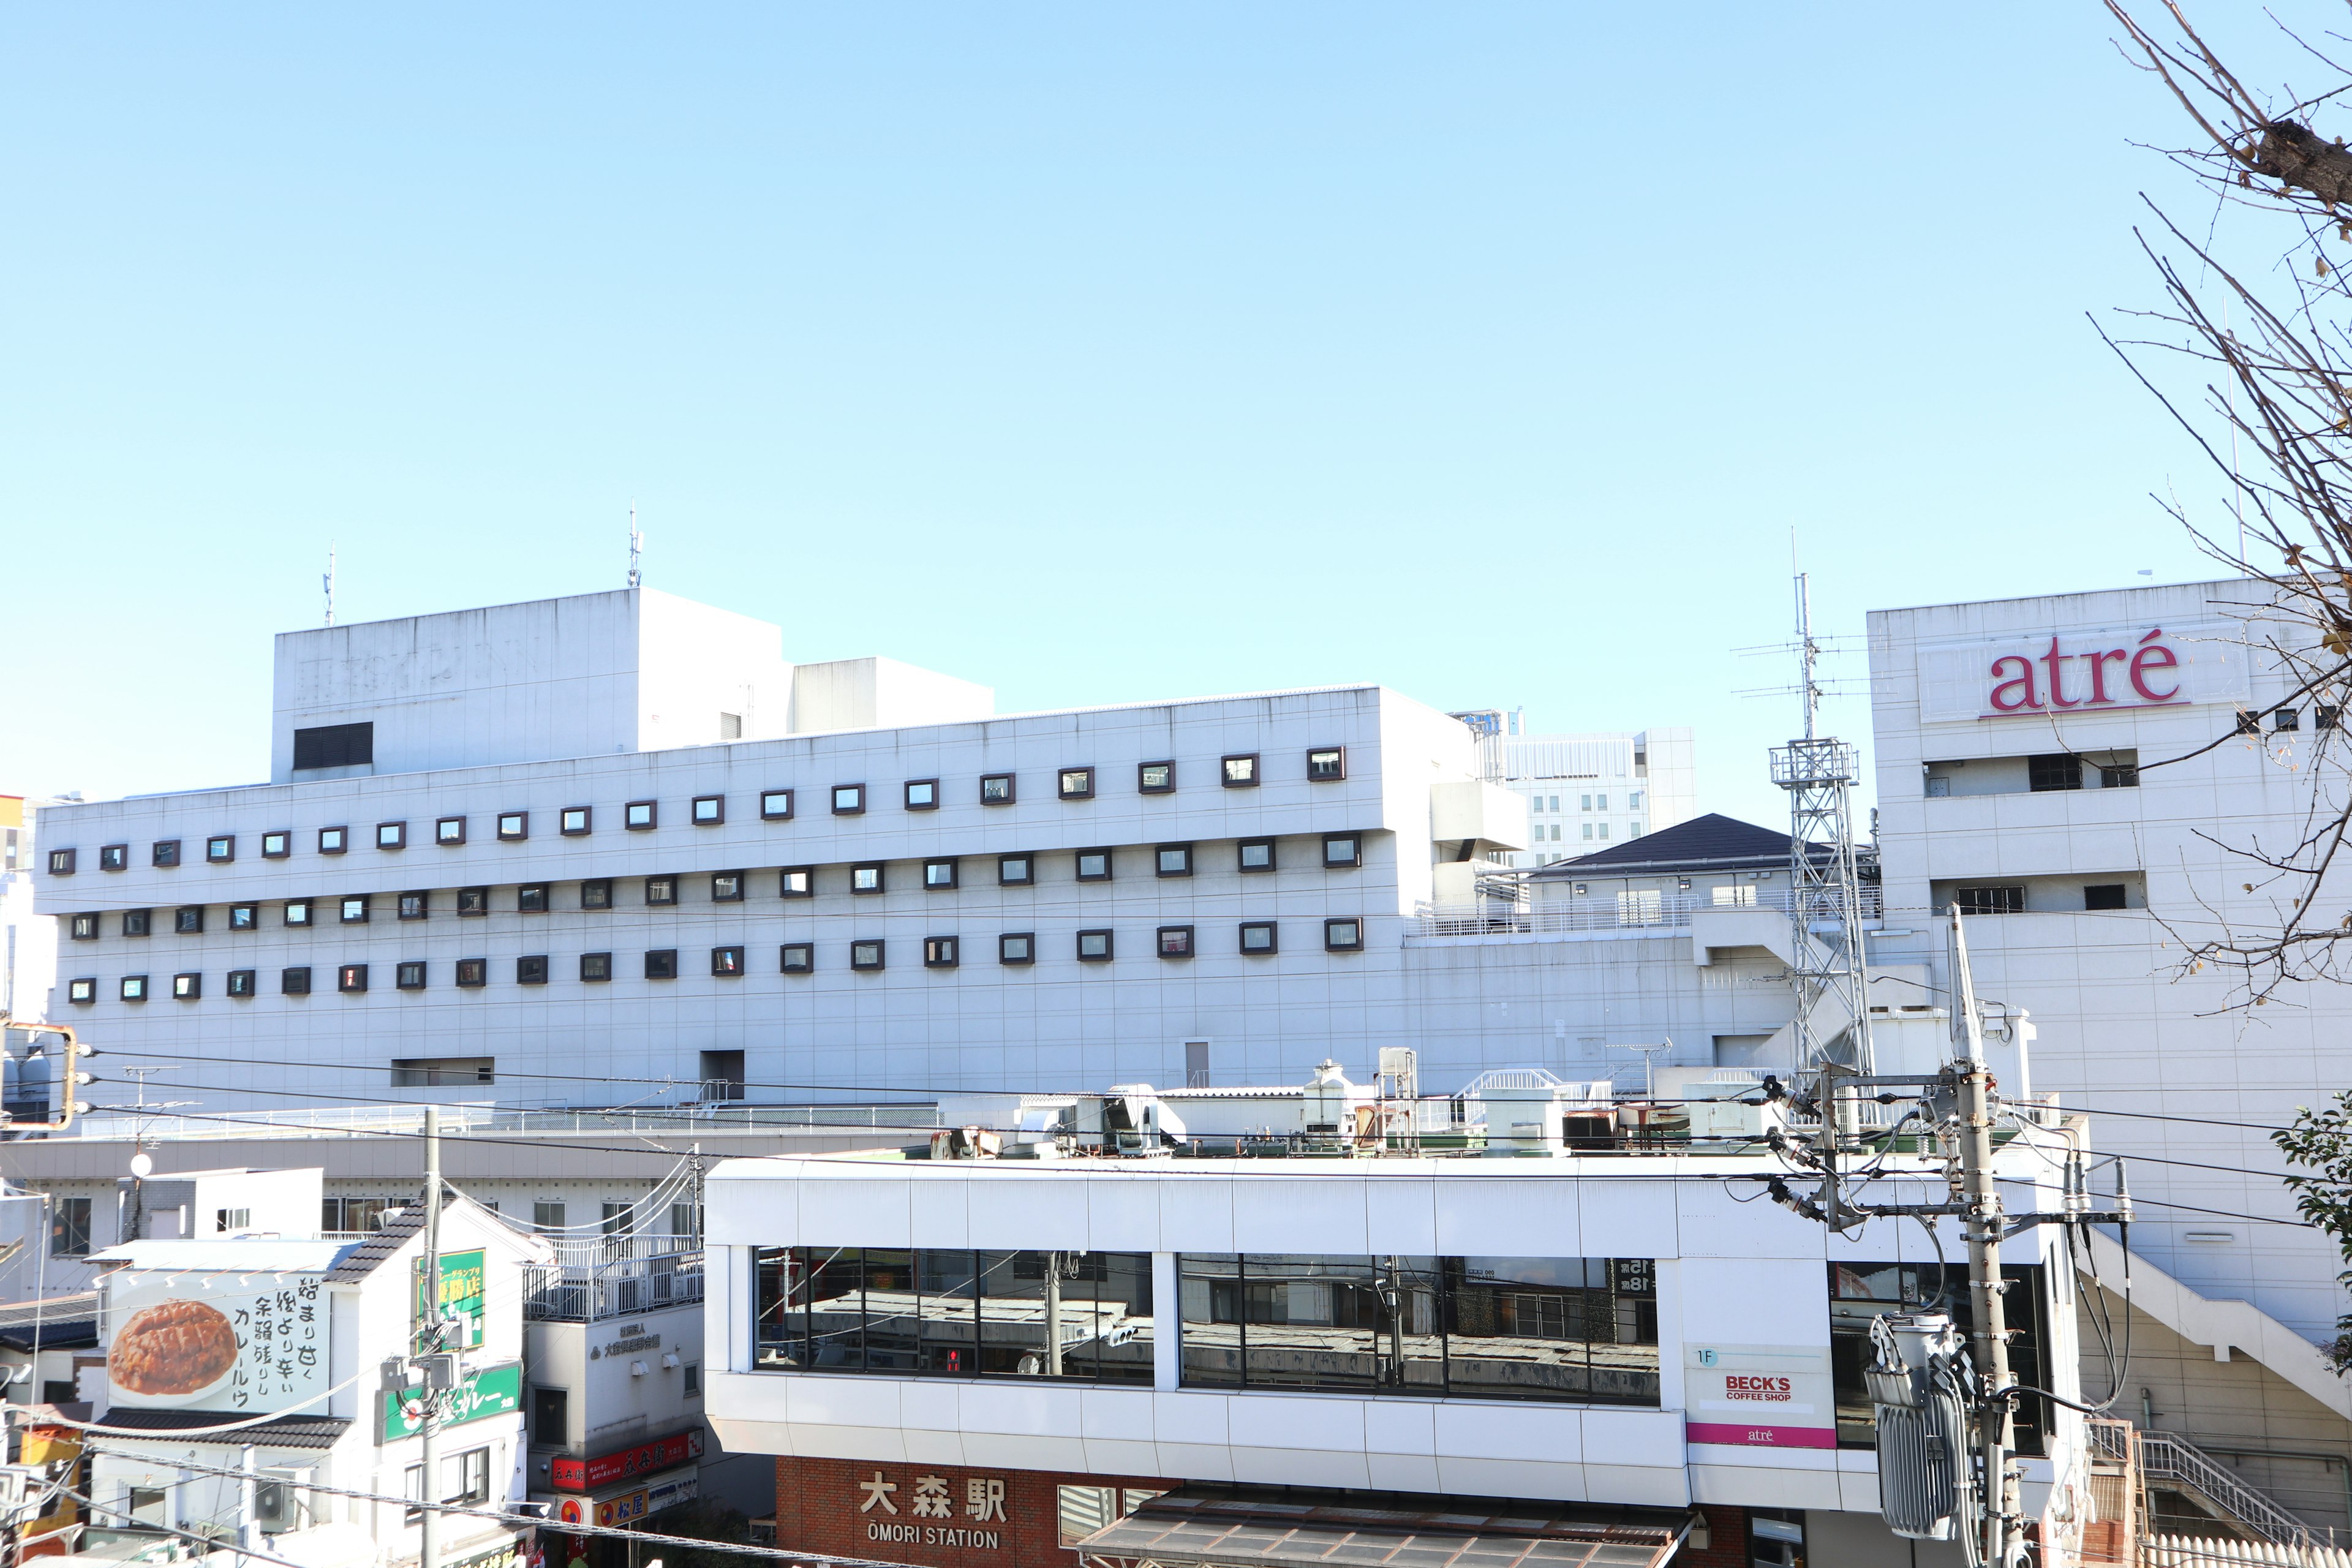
[
  {"x": 245, "y": 1342},
  {"x": 1760, "y": 1396},
  {"x": 493, "y": 1391},
  {"x": 587, "y": 1475},
  {"x": 2048, "y": 675}
]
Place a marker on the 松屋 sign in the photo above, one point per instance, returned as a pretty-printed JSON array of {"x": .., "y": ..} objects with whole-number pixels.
[
  {"x": 1760, "y": 1396},
  {"x": 2055, "y": 674}
]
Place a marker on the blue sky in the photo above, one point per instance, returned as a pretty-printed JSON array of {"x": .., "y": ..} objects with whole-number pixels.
[{"x": 1095, "y": 352}]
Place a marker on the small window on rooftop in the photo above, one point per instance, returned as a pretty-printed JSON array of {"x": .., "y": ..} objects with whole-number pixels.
[
  {"x": 922, "y": 795},
  {"x": 514, "y": 826},
  {"x": 450, "y": 830},
  {"x": 997, "y": 789},
  {"x": 710, "y": 810},
  {"x": 640, "y": 815},
  {"x": 1239, "y": 772},
  {"x": 775, "y": 805},
  {"x": 1155, "y": 778},
  {"x": 1326, "y": 763},
  {"x": 334, "y": 746}
]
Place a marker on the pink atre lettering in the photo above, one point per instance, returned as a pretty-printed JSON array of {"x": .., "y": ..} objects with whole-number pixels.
[{"x": 2037, "y": 683}]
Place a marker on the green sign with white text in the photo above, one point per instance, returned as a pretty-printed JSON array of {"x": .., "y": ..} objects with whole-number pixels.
[
  {"x": 493, "y": 1391},
  {"x": 462, "y": 1276}
]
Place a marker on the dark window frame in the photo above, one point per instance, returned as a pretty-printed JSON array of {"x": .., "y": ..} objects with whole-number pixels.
[
  {"x": 82, "y": 990},
  {"x": 343, "y": 909},
  {"x": 805, "y": 951},
  {"x": 2105, "y": 896},
  {"x": 1028, "y": 878},
  {"x": 473, "y": 973},
  {"x": 1331, "y": 931},
  {"x": 137, "y": 922},
  {"x": 857, "y": 793},
  {"x": 398, "y": 835},
  {"x": 942, "y": 953},
  {"x": 133, "y": 989},
  {"x": 1349, "y": 862},
  {"x": 1109, "y": 865},
  {"x": 1028, "y": 955},
  {"x": 220, "y": 849},
  {"x": 1109, "y": 945},
  {"x": 716, "y": 817},
  {"x": 1256, "y": 770},
  {"x": 2053, "y": 773},
  {"x": 1335, "y": 772},
  {"x": 601, "y": 898},
  {"x": 307, "y": 920},
  {"x": 667, "y": 883},
  {"x": 629, "y": 811},
  {"x": 868, "y": 966},
  {"x": 1990, "y": 899},
  {"x": 520, "y": 831},
  {"x": 336, "y": 840},
  {"x": 351, "y": 979},
  {"x": 188, "y": 985},
  {"x": 726, "y": 962},
  {"x": 473, "y": 903},
  {"x": 587, "y": 823},
  {"x": 83, "y": 927},
  {"x": 351, "y": 745},
  {"x": 111, "y": 857},
  {"x": 245, "y": 917},
  {"x": 441, "y": 826},
  {"x": 784, "y": 881},
  {"x": 661, "y": 963},
  {"x": 595, "y": 968},
  {"x": 1159, "y": 862},
  {"x": 1084, "y": 789},
  {"x": 1241, "y": 857},
  {"x": 1143, "y": 784},
  {"x": 62, "y": 861},
  {"x": 1011, "y": 792},
  {"x": 424, "y": 906},
  {"x": 914, "y": 784},
  {"x": 530, "y": 969},
  {"x": 283, "y": 839},
  {"x": 881, "y": 878},
  {"x": 294, "y": 981},
  {"x": 719, "y": 894},
  {"x": 408, "y": 975},
  {"x": 242, "y": 983},
  {"x": 534, "y": 898},
  {"x": 768, "y": 799},
  {"x": 188, "y": 919},
  {"x": 1273, "y": 939},
  {"x": 164, "y": 854},
  {"x": 1159, "y": 941},
  {"x": 954, "y": 864}
]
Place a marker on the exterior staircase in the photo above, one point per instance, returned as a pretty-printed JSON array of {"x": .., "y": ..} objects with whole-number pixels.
[{"x": 2128, "y": 1464}]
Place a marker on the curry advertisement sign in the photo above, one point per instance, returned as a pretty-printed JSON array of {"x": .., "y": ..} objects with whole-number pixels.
[
  {"x": 460, "y": 1297},
  {"x": 493, "y": 1391},
  {"x": 249, "y": 1341}
]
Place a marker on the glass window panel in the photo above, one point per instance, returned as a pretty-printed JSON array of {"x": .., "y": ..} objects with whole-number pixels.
[
  {"x": 1212, "y": 1336},
  {"x": 1314, "y": 1321},
  {"x": 948, "y": 1311},
  {"x": 893, "y": 1321}
]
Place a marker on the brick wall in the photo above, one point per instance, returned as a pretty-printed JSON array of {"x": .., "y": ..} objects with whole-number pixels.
[{"x": 822, "y": 1506}]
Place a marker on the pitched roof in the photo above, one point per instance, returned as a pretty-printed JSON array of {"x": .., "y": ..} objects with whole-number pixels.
[
  {"x": 286, "y": 1432},
  {"x": 376, "y": 1250},
  {"x": 1712, "y": 840},
  {"x": 53, "y": 1335}
]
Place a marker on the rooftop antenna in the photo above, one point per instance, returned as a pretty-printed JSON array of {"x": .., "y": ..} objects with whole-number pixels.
[
  {"x": 636, "y": 548},
  {"x": 328, "y": 582}
]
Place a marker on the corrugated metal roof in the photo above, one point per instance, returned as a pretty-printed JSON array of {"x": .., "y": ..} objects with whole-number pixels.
[
  {"x": 285, "y": 1431},
  {"x": 1225, "y": 1529}
]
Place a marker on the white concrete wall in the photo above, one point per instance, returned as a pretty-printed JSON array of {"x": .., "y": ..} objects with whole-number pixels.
[
  {"x": 870, "y": 693},
  {"x": 696, "y": 663},
  {"x": 1563, "y": 779}
]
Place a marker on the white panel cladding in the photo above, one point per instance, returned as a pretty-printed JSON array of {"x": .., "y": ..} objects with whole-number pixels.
[
  {"x": 1309, "y": 1213},
  {"x": 1751, "y": 1301},
  {"x": 1400, "y": 1217},
  {"x": 1049, "y": 1211},
  {"x": 1121, "y": 1209},
  {"x": 1632, "y": 1217},
  {"x": 845, "y": 1212},
  {"x": 1196, "y": 1213},
  {"x": 1519, "y": 1217}
]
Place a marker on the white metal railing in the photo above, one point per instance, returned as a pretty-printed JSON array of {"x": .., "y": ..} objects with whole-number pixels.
[
  {"x": 2167, "y": 1460},
  {"x": 1630, "y": 910},
  {"x": 338, "y": 1122},
  {"x": 610, "y": 1289}
]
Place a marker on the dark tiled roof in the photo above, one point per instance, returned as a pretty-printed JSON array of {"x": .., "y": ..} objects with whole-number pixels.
[
  {"x": 1710, "y": 840},
  {"x": 54, "y": 1334},
  {"x": 376, "y": 1251},
  {"x": 285, "y": 1431}
]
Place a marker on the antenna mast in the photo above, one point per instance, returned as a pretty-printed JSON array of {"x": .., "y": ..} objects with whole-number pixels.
[
  {"x": 636, "y": 548},
  {"x": 1832, "y": 1022},
  {"x": 328, "y": 582}
]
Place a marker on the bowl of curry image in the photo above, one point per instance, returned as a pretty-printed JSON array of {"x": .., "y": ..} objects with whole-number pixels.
[{"x": 174, "y": 1350}]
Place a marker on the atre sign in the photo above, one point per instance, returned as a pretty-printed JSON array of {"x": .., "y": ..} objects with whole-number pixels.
[{"x": 2052, "y": 675}]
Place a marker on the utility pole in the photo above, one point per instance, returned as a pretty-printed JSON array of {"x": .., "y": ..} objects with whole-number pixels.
[
  {"x": 429, "y": 1540},
  {"x": 1052, "y": 1314},
  {"x": 248, "y": 1511},
  {"x": 1981, "y": 1217}
]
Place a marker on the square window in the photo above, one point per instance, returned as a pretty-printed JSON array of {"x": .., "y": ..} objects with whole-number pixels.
[
  {"x": 1015, "y": 871},
  {"x": 532, "y": 899},
  {"x": 85, "y": 928},
  {"x": 1343, "y": 936},
  {"x": 2327, "y": 715},
  {"x": 276, "y": 846},
  {"x": 1094, "y": 865},
  {"x": 572, "y": 821},
  {"x": 939, "y": 952},
  {"x": 167, "y": 852},
  {"x": 940, "y": 876},
  {"x": 2285, "y": 718},
  {"x": 530, "y": 969},
  {"x": 245, "y": 917},
  {"x": 1326, "y": 763},
  {"x": 1017, "y": 947},
  {"x": 220, "y": 849},
  {"x": 797, "y": 957},
  {"x": 137, "y": 922},
  {"x": 81, "y": 993},
  {"x": 334, "y": 840},
  {"x": 796, "y": 882},
  {"x": 295, "y": 982},
  {"x": 1094, "y": 947},
  {"x": 640, "y": 815},
  {"x": 2104, "y": 895},
  {"x": 392, "y": 835},
  {"x": 408, "y": 975},
  {"x": 866, "y": 878},
  {"x": 1240, "y": 771},
  {"x": 865, "y": 955},
  {"x": 473, "y": 973},
  {"x": 661, "y": 890},
  {"x": 922, "y": 795},
  {"x": 297, "y": 911},
  {"x": 354, "y": 909},
  {"x": 1075, "y": 783},
  {"x": 727, "y": 887},
  {"x": 415, "y": 906},
  {"x": 134, "y": 988},
  {"x": 710, "y": 810},
  {"x": 1155, "y": 778},
  {"x": 450, "y": 830},
  {"x": 662, "y": 963},
  {"x": 775, "y": 805},
  {"x": 1342, "y": 849},
  {"x": 1175, "y": 941},
  {"x": 1258, "y": 854},
  {"x": 848, "y": 800},
  {"x": 187, "y": 987},
  {"x": 473, "y": 901},
  {"x": 727, "y": 960},
  {"x": 595, "y": 966},
  {"x": 61, "y": 862},
  {"x": 514, "y": 826},
  {"x": 997, "y": 789},
  {"x": 1173, "y": 860},
  {"x": 1257, "y": 937},
  {"x": 351, "y": 978},
  {"x": 242, "y": 982},
  {"x": 112, "y": 858},
  {"x": 188, "y": 921},
  {"x": 596, "y": 893}
]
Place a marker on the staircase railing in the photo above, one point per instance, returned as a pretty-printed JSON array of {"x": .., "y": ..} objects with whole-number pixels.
[{"x": 2167, "y": 1460}]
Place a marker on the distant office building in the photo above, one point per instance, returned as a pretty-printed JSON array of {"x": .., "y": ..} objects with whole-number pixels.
[{"x": 1585, "y": 793}]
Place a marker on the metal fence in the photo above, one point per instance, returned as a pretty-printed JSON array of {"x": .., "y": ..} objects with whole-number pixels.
[
  {"x": 567, "y": 1293},
  {"x": 478, "y": 1118},
  {"x": 1633, "y": 910}
]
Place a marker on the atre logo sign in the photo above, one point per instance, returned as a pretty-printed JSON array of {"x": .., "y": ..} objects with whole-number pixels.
[{"x": 2052, "y": 675}]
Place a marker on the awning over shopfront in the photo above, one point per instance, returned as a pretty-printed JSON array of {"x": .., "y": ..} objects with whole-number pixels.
[{"x": 1220, "y": 1528}]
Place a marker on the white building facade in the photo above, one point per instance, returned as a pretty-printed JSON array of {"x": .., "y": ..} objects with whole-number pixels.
[{"x": 1587, "y": 792}]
